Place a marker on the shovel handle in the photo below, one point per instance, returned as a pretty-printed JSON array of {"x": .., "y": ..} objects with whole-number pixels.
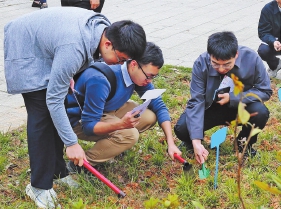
[
  {"x": 103, "y": 179},
  {"x": 179, "y": 158}
]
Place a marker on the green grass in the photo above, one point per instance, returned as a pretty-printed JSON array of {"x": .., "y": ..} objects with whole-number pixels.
[{"x": 146, "y": 170}]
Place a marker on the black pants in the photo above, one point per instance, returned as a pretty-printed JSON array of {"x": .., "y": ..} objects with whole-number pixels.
[
  {"x": 268, "y": 54},
  {"x": 82, "y": 3},
  {"x": 45, "y": 147},
  {"x": 220, "y": 115}
]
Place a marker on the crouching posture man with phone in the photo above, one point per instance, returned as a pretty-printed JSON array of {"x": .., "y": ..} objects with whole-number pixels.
[{"x": 223, "y": 58}]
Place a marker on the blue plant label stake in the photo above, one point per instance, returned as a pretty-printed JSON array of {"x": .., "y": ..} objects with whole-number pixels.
[
  {"x": 279, "y": 94},
  {"x": 216, "y": 139}
]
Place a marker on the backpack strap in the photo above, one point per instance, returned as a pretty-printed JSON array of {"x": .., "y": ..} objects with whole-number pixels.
[{"x": 109, "y": 74}]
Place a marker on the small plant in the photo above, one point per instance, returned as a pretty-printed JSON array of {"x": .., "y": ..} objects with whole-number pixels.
[{"x": 171, "y": 202}]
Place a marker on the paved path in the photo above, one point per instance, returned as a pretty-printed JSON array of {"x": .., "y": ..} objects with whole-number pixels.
[{"x": 181, "y": 28}]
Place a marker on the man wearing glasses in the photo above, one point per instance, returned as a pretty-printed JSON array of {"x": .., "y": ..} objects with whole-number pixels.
[
  {"x": 41, "y": 58},
  {"x": 223, "y": 58},
  {"x": 112, "y": 124}
]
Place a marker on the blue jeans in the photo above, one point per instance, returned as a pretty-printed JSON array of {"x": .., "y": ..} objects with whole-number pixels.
[
  {"x": 45, "y": 147},
  {"x": 222, "y": 115}
]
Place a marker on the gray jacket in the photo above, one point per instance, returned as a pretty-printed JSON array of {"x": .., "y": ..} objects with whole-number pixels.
[
  {"x": 45, "y": 49},
  {"x": 248, "y": 67}
]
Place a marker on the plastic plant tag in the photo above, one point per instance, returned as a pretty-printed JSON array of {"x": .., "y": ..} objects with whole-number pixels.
[
  {"x": 279, "y": 94},
  {"x": 216, "y": 139},
  {"x": 204, "y": 172}
]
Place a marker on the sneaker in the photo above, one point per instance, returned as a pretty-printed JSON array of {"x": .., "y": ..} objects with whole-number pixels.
[
  {"x": 68, "y": 180},
  {"x": 273, "y": 73},
  {"x": 43, "y": 198},
  {"x": 250, "y": 152}
]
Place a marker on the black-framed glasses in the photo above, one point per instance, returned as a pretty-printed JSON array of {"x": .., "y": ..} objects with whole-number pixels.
[
  {"x": 224, "y": 66},
  {"x": 147, "y": 77},
  {"x": 118, "y": 59}
]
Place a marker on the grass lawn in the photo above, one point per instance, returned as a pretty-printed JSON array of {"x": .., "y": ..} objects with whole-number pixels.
[{"x": 147, "y": 175}]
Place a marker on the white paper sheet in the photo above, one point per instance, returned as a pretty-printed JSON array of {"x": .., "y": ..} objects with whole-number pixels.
[
  {"x": 152, "y": 94},
  {"x": 148, "y": 95}
]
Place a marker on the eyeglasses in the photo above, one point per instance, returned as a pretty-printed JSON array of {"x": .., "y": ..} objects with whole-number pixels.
[
  {"x": 147, "y": 77},
  {"x": 118, "y": 59},
  {"x": 225, "y": 66}
]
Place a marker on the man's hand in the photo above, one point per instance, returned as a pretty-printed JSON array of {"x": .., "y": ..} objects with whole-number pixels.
[
  {"x": 94, "y": 4},
  {"x": 201, "y": 154},
  {"x": 172, "y": 149},
  {"x": 129, "y": 120},
  {"x": 224, "y": 98},
  {"x": 277, "y": 45},
  {"x": 76, "y": 154}
]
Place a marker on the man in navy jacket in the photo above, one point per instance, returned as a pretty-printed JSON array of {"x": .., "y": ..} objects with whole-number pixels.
[{"x": 270, "y": 33}]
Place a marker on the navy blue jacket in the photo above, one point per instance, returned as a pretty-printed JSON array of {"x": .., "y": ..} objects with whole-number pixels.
[{"x": 270, "y": 23}]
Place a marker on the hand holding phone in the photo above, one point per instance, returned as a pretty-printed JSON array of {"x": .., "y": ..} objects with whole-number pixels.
[{"x": 221, "y": 91}]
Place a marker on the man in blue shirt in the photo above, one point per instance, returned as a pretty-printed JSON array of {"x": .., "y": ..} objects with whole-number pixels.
[
  {"x": 269, "y": 30},
  {"x": 223, "y": 58},
  {"x": 111, "y": 124}
]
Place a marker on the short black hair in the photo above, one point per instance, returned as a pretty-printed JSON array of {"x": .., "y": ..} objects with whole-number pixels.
[
  {"x": 222, "y": 45},
  {"x": 127, "y": 37},
  {"x": 152, "y": 55}
]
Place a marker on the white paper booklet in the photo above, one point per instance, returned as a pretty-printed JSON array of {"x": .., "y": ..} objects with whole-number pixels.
[{"x": 148, "y": 96}]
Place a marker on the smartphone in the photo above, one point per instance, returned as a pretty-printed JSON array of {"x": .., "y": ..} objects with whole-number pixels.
[{"x": 221, "y": 91}]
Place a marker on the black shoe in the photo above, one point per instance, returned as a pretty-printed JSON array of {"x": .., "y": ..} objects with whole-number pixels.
[
  {"x": 249, "y": 152},
  {"x": 75, "y": 168},
  {"x": 36, "y": 4}
]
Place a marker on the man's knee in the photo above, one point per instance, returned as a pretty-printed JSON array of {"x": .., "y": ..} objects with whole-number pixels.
[
  {"x": 264, "y": 51},
  {"x": 128, "y": 137},
  {"x": 262, "y": 115}
]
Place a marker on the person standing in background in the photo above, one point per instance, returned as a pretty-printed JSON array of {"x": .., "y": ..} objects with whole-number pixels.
[
  {"x": 269, "y": 30},
  {"x": 42, "y": 4},
  {"x": 95, "y": 5}
]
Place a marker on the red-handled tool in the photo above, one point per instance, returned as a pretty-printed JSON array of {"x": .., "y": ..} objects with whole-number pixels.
[
  {"x": 186, "y": 166},
  {"x": 104, "y": 180}
]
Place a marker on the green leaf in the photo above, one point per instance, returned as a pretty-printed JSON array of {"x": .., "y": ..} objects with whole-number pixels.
[
  {"x": 197, "y": 205},
  {"x": 266, "y": 187},
  {"x": 174, "y": 199},
  {"x": 253, "y": 95},
  {"x": 277, "y": 180},
  {"x": 278, "y": 157},
  {"x": 151, "y": 203},
  {"x": 255, "y": 131},
  {"x": 79, "y": 204},
  {"x": 243, "y": 114}
]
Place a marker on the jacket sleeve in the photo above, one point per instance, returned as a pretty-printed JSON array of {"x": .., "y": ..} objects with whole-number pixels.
[
  {"x": 195, "y": 108},
  {"x": 67, "y": 61},
  {"x": 265, "y": 26},
  {"x": 260, "y": 86}
]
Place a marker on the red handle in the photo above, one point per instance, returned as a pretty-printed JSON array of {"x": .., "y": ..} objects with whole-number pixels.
[
  {"x": 179, "y": 158},
  {"x": 103, "y": 179}
]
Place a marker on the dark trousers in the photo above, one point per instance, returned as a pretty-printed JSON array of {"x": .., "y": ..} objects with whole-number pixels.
[
  {"x": 222, "y": 115},
  {"x": 268, "y": 54},
  {"x": 83, "y": 4},
  {"x": 45, "y": 147}
]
